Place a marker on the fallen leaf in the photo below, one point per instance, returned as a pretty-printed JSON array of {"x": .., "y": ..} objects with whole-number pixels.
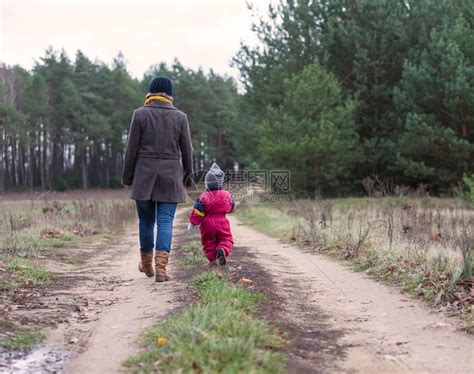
[
  {"x": 245, "y": 282},
  {"x": 52, "y": 234},
  {"x": 161, "y": 341}
]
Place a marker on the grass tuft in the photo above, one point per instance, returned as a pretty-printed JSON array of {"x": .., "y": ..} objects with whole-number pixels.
[
  {"x": 7, "y": 286},
  {"x": 26, "y": 272},
  {"x": 23, "y": 339},
  {"x": 193, "y": 255}
]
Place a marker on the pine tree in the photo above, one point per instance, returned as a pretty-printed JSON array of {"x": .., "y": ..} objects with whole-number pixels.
[
  {"x": 312, "y": 133},
  {"x": 435, "y": 100}
]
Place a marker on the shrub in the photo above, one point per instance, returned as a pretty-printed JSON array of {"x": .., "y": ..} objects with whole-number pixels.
[
  {"x": 61, "y": 185},
  {"x": 115, "y": 182},
  {"x": 469, "y": 182}
]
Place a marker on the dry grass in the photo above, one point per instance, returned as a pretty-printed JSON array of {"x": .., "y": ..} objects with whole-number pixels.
[
  {"x": 26, "y": 227},
  {"x": 426, "y": 244},
  {"x": 414, "y": 229}
]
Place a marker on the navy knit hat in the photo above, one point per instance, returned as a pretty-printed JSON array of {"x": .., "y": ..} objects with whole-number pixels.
[{"x": 161, "y": 84}]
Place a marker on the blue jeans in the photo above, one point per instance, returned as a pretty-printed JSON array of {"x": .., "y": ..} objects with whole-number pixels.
[{"x": 150, "y": 212}]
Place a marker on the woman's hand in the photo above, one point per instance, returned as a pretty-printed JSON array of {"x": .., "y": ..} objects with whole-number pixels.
[{"x": 188, "y": 182}]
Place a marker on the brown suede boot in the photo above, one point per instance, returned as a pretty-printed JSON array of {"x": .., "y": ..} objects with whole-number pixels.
[
  {"x": 146, "y": 263},
  {"x": 161, "y": 260}
]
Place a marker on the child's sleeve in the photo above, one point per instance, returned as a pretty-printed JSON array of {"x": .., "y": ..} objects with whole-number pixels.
[{"x": 197, "y": 213}]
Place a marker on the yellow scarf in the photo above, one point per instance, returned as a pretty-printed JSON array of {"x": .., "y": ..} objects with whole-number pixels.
[{"x": 149, "y": 99}]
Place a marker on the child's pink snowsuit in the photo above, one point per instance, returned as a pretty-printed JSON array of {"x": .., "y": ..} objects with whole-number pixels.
[{"x": 209, "y": 212}]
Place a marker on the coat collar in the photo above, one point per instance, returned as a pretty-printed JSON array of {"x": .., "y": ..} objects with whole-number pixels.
[{"x": 160, "y": 104}]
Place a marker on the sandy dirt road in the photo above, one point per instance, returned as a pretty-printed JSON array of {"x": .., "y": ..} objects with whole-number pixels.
[
  {"x": 355, "y": 324},
  {"x": 140, "y": 303}
]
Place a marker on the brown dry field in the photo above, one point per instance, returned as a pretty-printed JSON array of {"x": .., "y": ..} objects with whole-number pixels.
[{"x": 67, "y": 195}]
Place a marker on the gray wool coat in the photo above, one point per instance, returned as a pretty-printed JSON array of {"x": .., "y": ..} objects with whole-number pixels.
[{"x": 159, "y": 153}]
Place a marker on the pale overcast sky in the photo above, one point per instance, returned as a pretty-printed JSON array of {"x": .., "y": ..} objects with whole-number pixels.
[{"x": 203, "y": 33}]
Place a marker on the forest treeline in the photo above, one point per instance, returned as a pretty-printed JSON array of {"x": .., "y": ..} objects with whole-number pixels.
[
  {"x": 336, "y": 91},
  {"x": 65, "y": 123}
]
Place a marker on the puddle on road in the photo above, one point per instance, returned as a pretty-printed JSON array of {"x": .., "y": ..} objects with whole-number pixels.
[{"x": 43, "y": 359}]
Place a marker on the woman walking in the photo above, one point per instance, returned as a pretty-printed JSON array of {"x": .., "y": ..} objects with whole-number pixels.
[{"x": 158, "y": 163}]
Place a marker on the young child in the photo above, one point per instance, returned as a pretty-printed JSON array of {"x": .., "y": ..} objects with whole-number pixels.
[{"x": 209, "y": 212}]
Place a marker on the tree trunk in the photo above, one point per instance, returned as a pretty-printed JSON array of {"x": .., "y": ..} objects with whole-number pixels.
[
  {"x": 100, "y": 165},
  {"x": 465, "y": 135},
  {"x": 2, "y": 160},
  {"x": 42, "y": 157},
  {"x": 56, "y": 158},
  {"x": 23, "y": 166},
  {"x": 46, "y": 165},
  {"x": 107, "y": 160},
  {"x": 84, "y": 169},
  {"x": 2, "y": 170},
  {"x": 6, "y": 160},
  {"x": 14, "y": 162},
  {"x": 32, "y": 160},
  {"x": 317, "y": 180}
]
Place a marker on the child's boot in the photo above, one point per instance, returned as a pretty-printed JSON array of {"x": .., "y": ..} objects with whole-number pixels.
[
  {"x": 221, "y": 256},
  {"x": 146, "y": 263},
  {"x": 161, "y": 261}
]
